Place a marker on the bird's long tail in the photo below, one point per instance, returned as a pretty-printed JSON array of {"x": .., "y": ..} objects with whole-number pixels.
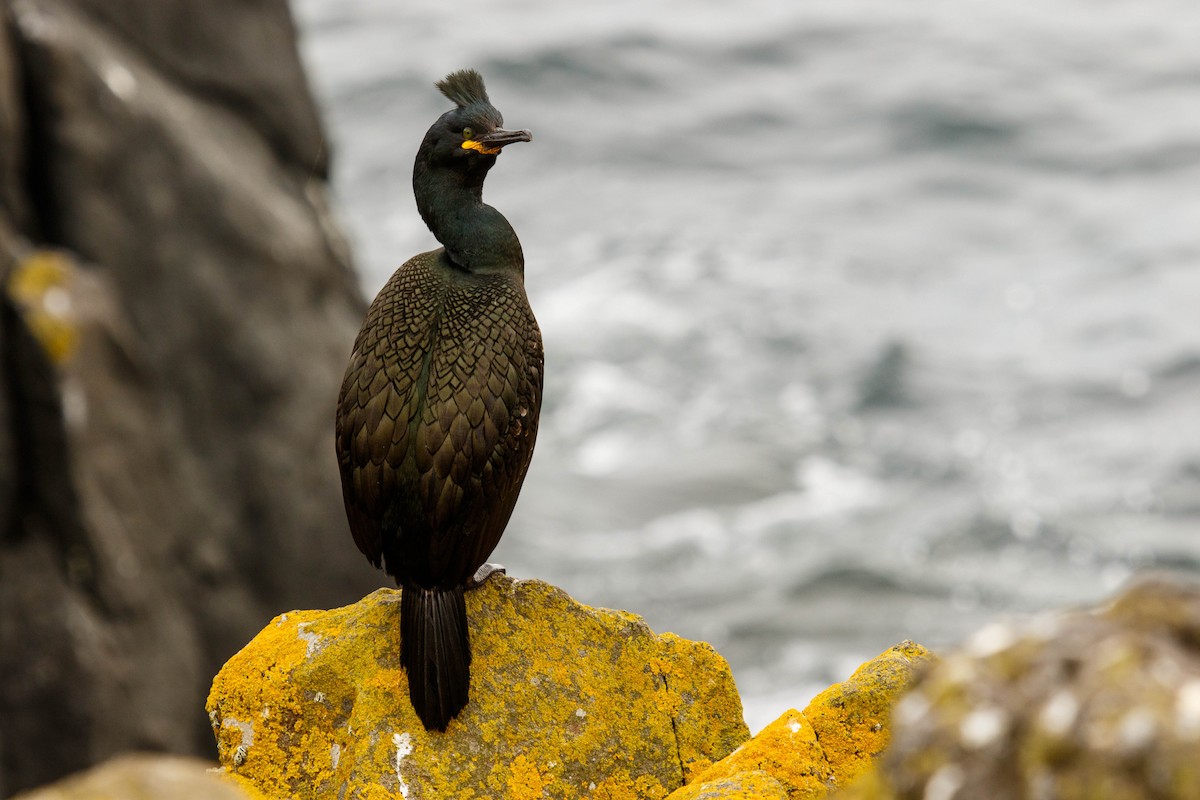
[{"x": 435, "y": 652}]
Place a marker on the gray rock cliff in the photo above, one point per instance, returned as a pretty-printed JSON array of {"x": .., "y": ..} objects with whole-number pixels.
[{"x": 176, "y": 312}]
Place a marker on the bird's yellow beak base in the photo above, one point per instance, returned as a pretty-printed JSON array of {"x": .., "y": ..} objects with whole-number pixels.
[{"x": 471, "y": 144}]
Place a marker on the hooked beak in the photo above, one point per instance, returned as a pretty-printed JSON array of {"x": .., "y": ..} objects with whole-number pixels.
[{"x": 490, "y": 143}]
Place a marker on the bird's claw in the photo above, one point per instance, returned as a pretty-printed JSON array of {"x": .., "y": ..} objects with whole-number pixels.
[{"x": 483, "y": 573}]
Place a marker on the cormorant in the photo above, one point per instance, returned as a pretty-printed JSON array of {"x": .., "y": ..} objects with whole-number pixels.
[{"x": 438, "y": 411}]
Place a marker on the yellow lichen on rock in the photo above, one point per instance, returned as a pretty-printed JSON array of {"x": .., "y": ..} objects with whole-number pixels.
[
  {"x": 787, "y": 750},
  {"x": 852, "y": 719},
  {"x": 831, "y": 742},
  {"x": 526, "y": 781},
  {"x": 40, "y": 284},
  {"x": 1094, "y": 703},
  {"x": 563, "y": 698},
  {"x": 244, "y": 786},
  {"x": 256, "y": 743},
  {"x": 753, "y": 785},
  {"x": 621, "y": 786},
  {"x": 694, "y": 671}
]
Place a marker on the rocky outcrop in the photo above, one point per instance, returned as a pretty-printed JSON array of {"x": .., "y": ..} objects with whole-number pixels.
[
  {"x": 744, "y": 785},
  {"x": 145, "y": 777},
  {"x": 566, "y": 701},
  {"x": 811, "y": 753},
  {"x": 1099, "y": 703},
  {"x": 176, "y": 308}
]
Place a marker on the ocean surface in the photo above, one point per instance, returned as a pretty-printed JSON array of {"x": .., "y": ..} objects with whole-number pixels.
[{"x": 864, "y": 320}]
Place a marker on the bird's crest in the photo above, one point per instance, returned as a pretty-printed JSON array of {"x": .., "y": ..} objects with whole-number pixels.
[{"x": 464, "y": 87}]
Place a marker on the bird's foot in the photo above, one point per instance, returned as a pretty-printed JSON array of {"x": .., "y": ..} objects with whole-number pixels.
[{"x": 483, "y": 573}]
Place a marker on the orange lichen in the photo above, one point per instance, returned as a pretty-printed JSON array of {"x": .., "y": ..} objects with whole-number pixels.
[
  {"x": 526, "y": 781},
  {"x": 787, "y": 750},
  {"x": 620, "y": 785},
  {"x": 562, "y": 695},
  {"x": 752, "y": 785},
  {"x": 667, "y": 702},
  {"x": 694, "y": 768},
  {"x": 649, "y": 788},
  {"x": 852, "y": 719},
  {"x": 830, "y": 743},
  {"x": 263, "y": 707},
  {"x": 695, "y": 670},
  {"x": 247, "y": 788}
]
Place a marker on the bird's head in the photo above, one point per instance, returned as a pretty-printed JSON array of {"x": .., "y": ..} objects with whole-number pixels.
[{"x": 470, "y": 136}]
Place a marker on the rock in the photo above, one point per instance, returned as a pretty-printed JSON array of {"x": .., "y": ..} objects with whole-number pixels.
[
  {"x": 787, "y": 750},
  {"x": 1099, "y": 703},
  {"x": 47, "y": 661},
  {"x": 39, "y": 285},
  {"x": 829, "y": 744},
  {"x": 168, "y": 480},
  {"x": 566, "y": 700},
  {"x": 11, "y": 147},
  {"x": 145, "y": 777},
  {"x": 852, "y": 719},
  {"x": 752, "y": 785},
  {"x": 13, "y": 203},
  {"x": 219, "y": 54}
]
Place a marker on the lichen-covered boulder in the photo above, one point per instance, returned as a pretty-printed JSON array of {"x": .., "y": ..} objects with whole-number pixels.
[
  {"x": 750, "y": 785},
  {"x": 852, "y": 719},
  {"x": 566, "y": 701},
  {"x": 787, "y": 750},
  {"x": 827, "y": 745},
  {"x": 1100, "y": 704},
  {"x": 145, "y": 777}
]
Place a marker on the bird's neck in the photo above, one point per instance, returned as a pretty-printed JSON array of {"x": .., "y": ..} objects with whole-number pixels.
[{"x": 476, "y": 236}]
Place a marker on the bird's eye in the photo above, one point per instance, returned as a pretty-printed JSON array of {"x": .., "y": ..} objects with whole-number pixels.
[{"x": 468, "y": 133}]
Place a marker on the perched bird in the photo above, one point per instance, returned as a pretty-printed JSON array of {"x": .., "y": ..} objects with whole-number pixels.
[{"x": 438, "y": 411}]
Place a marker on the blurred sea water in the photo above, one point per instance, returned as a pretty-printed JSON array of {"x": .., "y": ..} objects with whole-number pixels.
[{"x": 864, "y": 321}]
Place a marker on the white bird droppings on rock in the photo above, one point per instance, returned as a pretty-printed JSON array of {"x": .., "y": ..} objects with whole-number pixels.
[
  {"x": 311, "y": 640},
  {"x": 245, "y": 727},
  {"x": 403, "y": 743}
]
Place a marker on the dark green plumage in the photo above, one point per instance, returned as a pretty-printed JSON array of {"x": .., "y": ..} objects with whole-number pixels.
[{"x": 438, "y": 411}]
